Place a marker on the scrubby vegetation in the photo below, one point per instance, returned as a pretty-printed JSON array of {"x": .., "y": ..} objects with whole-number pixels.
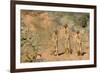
[{"x": 54, "y": 36}]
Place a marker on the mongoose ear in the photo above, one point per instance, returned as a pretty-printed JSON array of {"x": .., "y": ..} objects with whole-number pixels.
[
  {"x": 65, "y": 26},
  {"x": 56, "y": 32},
  {"x": 77, "y": 32}
]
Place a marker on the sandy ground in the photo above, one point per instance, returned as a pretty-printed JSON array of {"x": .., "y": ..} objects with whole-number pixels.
[{"x": 47, "y": 56}]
